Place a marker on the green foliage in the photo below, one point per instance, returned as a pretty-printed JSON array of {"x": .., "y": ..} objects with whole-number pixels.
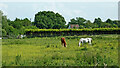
[
  {"x": 49, "y": 20},
  {"x": 31, "y": 27},
  {"x": 4, "y": 22},
  {"x": 66, "y": 32},
  {"x": 26, "y": 22},
  {"x": 85, "y": 29},
  {"x": 14, "y": 28},
  {"x": 17, "y": 59},
  {"x": 98, "y": 23},
  {"x": 79, "y": 20},
  {"x": 1, "y": 14},
  {"x": 4, "y": 33},
  {"x": 88, "y": 24}
]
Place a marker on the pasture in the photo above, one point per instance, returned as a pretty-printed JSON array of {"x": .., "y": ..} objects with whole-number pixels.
[{"x": 48, "y": 51}]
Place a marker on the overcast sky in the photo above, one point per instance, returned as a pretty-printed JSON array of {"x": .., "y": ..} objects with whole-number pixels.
[{"x": 88, "y": 10}]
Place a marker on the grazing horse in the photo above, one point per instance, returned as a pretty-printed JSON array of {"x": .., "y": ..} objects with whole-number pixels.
[
  {"x": 82, "y": 40},
  {"x": 63, "y": 42}
]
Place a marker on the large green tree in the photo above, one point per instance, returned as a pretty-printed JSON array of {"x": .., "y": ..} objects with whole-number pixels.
[{"x": 49, "y": 19}]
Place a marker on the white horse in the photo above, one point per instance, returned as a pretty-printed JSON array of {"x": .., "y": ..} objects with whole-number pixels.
[{"x": 85, "y": 40}]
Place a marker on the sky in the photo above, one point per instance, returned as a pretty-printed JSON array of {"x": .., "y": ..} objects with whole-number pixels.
[{"x": 88, "y": 10}]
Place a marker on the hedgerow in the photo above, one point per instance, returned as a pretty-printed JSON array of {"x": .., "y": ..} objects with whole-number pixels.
[{"x": 70, "y": 32}]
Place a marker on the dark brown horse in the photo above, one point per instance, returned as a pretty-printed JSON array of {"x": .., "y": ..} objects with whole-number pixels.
[{"x": 63, "y": 42}]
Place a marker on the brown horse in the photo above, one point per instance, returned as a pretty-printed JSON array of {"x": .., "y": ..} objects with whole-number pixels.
[{"x": 63, "y": 42}]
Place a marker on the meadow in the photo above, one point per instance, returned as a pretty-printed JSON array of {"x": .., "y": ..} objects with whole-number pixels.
[{"x": 48, "y": 51}]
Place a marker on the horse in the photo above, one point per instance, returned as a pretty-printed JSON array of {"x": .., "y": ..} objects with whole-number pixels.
[
  {"x": 63, "y": 42},
  {"x": 85, "y": 40}
]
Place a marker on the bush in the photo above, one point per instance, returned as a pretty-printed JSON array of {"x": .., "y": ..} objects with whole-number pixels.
[{"x": 71, "y": 32}]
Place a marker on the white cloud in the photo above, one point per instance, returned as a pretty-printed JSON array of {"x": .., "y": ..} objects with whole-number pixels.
[
  {"x": 79, "y": 12},
  {"x": 2, "y": 5},
  {"x": 59, "y": 0}
]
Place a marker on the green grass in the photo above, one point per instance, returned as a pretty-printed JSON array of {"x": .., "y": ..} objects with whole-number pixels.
[{"x": 48, "y": 51}]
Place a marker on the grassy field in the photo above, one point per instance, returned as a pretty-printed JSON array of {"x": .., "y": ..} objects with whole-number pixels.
[{"x": 48, "y": 51}]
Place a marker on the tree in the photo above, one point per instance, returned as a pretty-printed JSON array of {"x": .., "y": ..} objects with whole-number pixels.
[
  {"x": 26, "y": 22},
  {"x": 14, "y": 28},
  {"x": 81, "y": 27},
  {"x": 4, "y": 33},
  {"x": 97, "y": 22},
  {"x": 4, "y": 22},
  {"x": 1, "y": 14},
  {"x": 117, "y": 22},
  {"x": 95, "y": 25},
  {"x": 107, "y": 25},
  {"x": 80, "y": 20},
  {"x": 73, "y": 21},
  {"x": 17, "y": 24},
  {"x": 49, "y": 19},
  {"x": 88, "y": 24},
  {"x": 109, "y": 21}
]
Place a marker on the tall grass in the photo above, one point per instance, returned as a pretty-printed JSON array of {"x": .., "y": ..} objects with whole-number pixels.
[{"x": 48, "y": 51}]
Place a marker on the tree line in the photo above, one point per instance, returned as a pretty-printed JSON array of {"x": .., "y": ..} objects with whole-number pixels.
[
  {"x": 49, "y": 20},
  {"x": 98, "y": 23}
]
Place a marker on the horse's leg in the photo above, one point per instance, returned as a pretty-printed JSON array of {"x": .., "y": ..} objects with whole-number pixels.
[
  {"x": 90, "y": 42},
  {"x": 79, "y": 43},
  {"x": 82, "y": 43},
  {"x": 63, "y": 44}
]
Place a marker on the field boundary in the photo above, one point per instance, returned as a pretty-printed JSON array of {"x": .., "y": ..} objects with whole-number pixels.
[{"x": 70, "y": 32}]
